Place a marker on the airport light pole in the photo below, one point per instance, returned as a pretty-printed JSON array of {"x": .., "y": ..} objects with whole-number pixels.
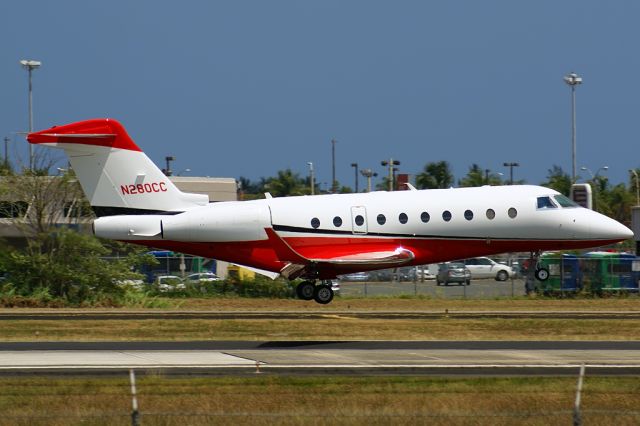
[
  {"x": 312, "y": 184},
  {"x": 30, "y": 65},
  {"x": 168, "y": 159},
  {"x": 391, "y": 163},
  {"x": 511, "y": 166},
  {"x": 334, "y": 183},
  {"x": 355, "y": 165},
  {"x": 368, "y": 173},
  {"x": 635, "y": 175},
  {"x": 6, "y": 152},
  {"x": 572, "y": 79}
]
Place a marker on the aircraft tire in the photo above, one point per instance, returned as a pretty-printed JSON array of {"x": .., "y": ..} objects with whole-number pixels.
[
  {"x": 323, "y": 294},
  {"x": 305, "y": 290},
  {"x": 542, "y": 274}
]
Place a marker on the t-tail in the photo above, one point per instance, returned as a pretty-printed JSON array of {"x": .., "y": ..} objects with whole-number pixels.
[{"x": 116, "y": 176}]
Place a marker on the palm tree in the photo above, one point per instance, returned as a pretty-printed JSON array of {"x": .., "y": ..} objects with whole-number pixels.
[
  {"x": 286, "y": 183},
  {"x": 559, "y": 180},
  {"x": 435, "y": 175}
]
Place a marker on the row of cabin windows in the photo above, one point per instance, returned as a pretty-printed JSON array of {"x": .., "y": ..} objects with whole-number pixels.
[{"x": 424, "y": 217}]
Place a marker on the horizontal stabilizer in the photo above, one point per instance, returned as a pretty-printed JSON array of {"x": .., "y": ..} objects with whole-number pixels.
[{"x": 97, "y": 132}]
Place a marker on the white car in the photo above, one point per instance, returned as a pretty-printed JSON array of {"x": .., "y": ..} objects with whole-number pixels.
[
  {"x": 169, "y": 283},
  {"x": 202, "y": 276},
  {"x": 483, "y": 267}
]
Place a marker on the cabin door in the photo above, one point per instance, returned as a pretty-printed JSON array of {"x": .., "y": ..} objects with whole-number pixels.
[{"x": 359, "y": 219}]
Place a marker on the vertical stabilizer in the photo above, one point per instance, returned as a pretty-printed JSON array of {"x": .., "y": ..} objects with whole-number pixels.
[{"x": 116, "y": 176}]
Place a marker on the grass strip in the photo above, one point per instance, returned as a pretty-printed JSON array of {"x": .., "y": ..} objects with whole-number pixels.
[
  {"x": 331, "y": 328},
  {"x": 325, "y": 400}
]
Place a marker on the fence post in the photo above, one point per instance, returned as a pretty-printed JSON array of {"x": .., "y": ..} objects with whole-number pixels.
[
  {"x": 577, "y": 417},
  {"x": 135, "y": 414}
]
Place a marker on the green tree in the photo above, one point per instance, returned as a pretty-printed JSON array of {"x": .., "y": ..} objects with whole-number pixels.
[
  {"x": 435, "y": 175},
  {"x": 615, "y": 202},
  {"x": 286, "y": 183},
  {"x": 559, "y": 180},
  {"x": 68, "y": 265},
  {"x": 477, "y": 176}
]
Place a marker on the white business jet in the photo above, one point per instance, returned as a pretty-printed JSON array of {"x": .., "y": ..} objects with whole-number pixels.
[{"x": 317, "y": 237}]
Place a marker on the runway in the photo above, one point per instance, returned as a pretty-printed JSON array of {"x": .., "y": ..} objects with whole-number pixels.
[{"x": 320, "y": 357}]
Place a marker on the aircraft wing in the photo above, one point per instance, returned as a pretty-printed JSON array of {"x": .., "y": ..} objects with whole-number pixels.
[
  {"x": 392, "y": 258},
  {"x": 383, "y": 257}
]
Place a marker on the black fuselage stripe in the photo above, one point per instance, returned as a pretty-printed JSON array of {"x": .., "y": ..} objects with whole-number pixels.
[{"x": 300, "y": 230}]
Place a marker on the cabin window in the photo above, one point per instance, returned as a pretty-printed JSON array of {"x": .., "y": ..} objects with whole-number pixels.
[
  {"x": 545, "y": 203},
  {"x": 337, "y": 221},
  {"x": 512, "y": 213},
  {"x": 315, "y": 223},
  {"x": 468, "y": 214},
  {"x": 565, "y": 201},
  {"x": 359, "y": 220},
  {"x": 446, "y": 215},
  {"x": 424, "y": 216},
  {"x": 491, "y": 214},
  {"x": 403, "y": 218},
  {"x": 381, "y": 219}
]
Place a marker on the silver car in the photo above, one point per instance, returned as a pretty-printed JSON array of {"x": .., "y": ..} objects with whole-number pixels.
[{"x": 453, "y": 272}]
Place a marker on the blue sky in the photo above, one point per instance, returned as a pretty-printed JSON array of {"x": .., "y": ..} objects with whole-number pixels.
[{"x": 247, "y": 88}]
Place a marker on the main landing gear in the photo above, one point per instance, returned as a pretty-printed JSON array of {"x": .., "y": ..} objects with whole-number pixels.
[{"x": 321, "y": 293}]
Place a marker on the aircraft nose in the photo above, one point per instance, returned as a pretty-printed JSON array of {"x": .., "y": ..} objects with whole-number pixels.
[{"x": 611, "y": 230}]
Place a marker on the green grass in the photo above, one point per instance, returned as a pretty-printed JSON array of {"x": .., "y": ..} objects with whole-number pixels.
[
  {"x": 334, "y": 327},
  {"x": 326, "y": 400}
]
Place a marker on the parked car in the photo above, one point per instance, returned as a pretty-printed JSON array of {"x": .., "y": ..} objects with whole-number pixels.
[
  {"x": 202, "y": 276},
  {"x": 356, "y": 276},
  {"x": 453, "y": 272},
  {"x": 483, "y": 267},
  {"x": 169, "y": 283}
]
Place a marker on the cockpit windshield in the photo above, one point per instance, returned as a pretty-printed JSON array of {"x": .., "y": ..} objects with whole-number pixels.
[
  {"x": 552, "y": 202},
  {"x": 565, "y": 201},
  {"x": 546, "y": 203}
]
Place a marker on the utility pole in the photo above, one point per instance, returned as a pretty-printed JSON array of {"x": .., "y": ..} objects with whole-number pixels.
[
  {"x": 311, "y": 178},
  {"x": 391, "y": 163},
  {"x": 6, "y": 152},
  {"x": 511, "y": 166},
  {"x": 356, "y": 167},
  {"x": 30, "y": 65},
  {"x": 572, "y": 79},
  {"x": 334, "y": 183},
  {"x": 169, "y": 159},
  {"x": 368, "y": 173}
]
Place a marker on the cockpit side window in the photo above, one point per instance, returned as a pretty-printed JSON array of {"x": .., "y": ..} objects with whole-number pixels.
[
  {"x": 565, "y": 201},
  {"x": 546, "y": 203}
]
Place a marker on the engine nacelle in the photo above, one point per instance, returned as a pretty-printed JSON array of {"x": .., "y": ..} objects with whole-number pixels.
[
  {"x": 219, "y": 222},
  {"x": 129, "y": 227}
]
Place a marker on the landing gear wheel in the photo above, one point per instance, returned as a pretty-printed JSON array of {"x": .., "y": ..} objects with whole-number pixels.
[
  {"x": 542, "y": 274},
  {"x": 323, "y": 294},
  {"x": 305, "y": 290}
]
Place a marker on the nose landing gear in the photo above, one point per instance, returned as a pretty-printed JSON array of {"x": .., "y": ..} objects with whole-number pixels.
[
  {"x": 322, "y": 293},
  {"x": 535, "y": 271}
]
